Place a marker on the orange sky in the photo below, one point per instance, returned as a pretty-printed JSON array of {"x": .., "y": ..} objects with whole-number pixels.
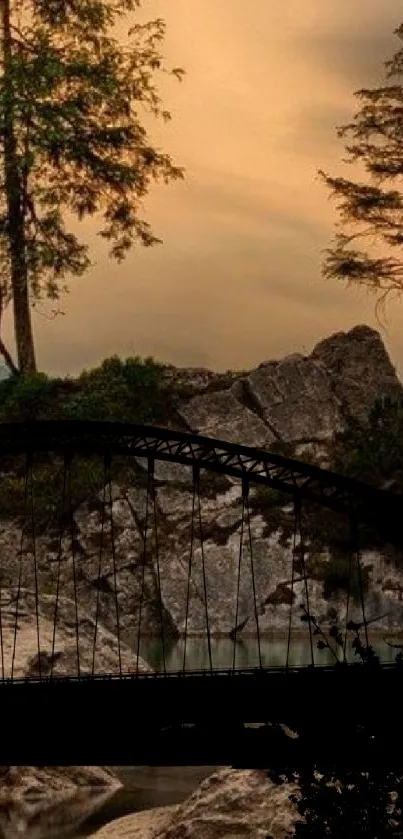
[{"x": 237, "y": 279}]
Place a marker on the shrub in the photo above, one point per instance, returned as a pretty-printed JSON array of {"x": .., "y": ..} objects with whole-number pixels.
[
  {"x": 122, "y": 391},
  {"x": 373, "y": 452},
  {"x": 28, "y": 397}
]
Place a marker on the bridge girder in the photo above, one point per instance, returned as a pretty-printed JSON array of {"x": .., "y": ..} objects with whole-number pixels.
[{"x": 381, "y": 509}]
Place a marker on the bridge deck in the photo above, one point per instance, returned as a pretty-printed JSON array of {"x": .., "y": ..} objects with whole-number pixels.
[{"x": 198, "y": 718}]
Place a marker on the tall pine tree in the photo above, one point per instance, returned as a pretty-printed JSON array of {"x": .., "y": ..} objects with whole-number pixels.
[
  {"x": 72, "y": 141},
  {"x": 372, "y": 213}
]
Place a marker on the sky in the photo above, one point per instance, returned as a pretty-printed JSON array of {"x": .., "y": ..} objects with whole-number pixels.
[{"x": 237, "y": 279}]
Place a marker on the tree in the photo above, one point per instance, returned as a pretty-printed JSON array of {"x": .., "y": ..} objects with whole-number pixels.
[
  {"x": 72, "y": 142},
  {"x": 373, "y": 210}
]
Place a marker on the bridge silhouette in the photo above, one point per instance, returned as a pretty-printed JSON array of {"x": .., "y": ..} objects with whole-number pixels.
[{"x": 124, "y": 714}]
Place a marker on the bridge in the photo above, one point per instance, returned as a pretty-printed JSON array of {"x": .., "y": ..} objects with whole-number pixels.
[{"x": 115, "y": 710}]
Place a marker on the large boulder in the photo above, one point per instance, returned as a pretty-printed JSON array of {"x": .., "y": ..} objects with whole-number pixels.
[
  {"x": 229, "y": 804},
  {"x": 299, "y": 398},
  {"x": 359, "y": 368}
]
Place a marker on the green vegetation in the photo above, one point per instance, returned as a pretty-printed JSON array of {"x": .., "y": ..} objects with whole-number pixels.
[
  {"x": 374, "y": 452},
  {"x": 123, "y": 391}
]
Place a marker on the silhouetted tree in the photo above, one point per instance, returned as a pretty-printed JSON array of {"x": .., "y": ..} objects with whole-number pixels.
[
  {"x": 342, "y": 802},
  {"x": 372, "y": 211},
  {"x": 72, "y": 143}
]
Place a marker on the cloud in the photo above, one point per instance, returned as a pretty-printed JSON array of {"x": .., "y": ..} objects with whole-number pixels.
[
  {"x": 354, "y": 46},
  {"x": 238, "y": 277}
]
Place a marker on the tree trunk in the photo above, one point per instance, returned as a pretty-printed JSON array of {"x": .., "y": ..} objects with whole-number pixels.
[{"x": 14, "y": 200}]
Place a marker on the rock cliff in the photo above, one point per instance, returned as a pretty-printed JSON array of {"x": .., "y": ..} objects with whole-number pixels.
[{"x": 296, "y": 405}]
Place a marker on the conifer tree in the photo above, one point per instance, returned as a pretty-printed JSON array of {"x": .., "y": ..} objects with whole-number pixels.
[
  {"x": 367, "y": 249},
  {"x": 72, "y": 143}
]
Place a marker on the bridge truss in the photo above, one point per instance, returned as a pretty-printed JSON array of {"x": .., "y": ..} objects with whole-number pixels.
[{"x": 151, "y": 713}]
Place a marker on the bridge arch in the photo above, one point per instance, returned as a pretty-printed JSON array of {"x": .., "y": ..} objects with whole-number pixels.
[{"x": 381, "y": 509}]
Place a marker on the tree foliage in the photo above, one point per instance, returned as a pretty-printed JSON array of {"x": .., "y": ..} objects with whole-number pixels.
[
  {"x": 373, "y": 452},
  {"x": 366, "y": 248},
  {"x": 73, "y": 100}
]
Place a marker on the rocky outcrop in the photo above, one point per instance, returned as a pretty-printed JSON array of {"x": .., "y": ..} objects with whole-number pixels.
[
  {"x": 231, "y": 803},
  {"x": 359, "y": 369},
  {"x": 299, "y": 398},
  {"x": 39, "y": 801}
]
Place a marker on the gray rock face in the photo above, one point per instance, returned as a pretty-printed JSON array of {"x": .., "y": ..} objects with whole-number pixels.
[
  {"x": 221, "y": 412},
  {"x": 27, "y": 652},
  {"x": 359, "y": 368},
  {"x": 296, "y": 400}
]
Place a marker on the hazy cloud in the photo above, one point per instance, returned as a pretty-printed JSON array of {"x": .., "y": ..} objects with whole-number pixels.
[{"x": 238, "y": 277}]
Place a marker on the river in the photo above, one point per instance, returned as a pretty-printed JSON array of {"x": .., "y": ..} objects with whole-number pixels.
[{"x": 145, "y": 787}]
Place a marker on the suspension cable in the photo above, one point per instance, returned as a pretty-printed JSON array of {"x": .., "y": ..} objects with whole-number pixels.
[
  {"x": 108, "y": 463},
  {"x": 245, "y": 493},
  {"x": 298, "y": 507},
  {"x": 197, "y": 477},
  {"x": 161, "y": 608},
  {"x": 98, "y": 594},
  {"x": 71, "y": 517},
  {"x": 32, "y": 506},
  {"x": 67, "y": 460},
  {"x": 143, "y": 570},
  {"x": 19, "y": 584},
  {"x": 189, "y": 566},
  {"x": 294, "y": 548},
  {"x": 238, "y": 578}
]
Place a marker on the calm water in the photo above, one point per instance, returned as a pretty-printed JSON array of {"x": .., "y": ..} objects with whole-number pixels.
[
  {"x": 146, "y": 787},
  {"x": 273, "y": 652}
]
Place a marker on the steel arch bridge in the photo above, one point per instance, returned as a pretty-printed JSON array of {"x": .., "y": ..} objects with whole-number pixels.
[{"x": 173, "y": 716}]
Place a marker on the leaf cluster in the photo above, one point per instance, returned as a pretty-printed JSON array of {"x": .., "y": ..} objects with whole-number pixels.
[
  {"x": 365, "y": 250},
  {"x": 78, "y": 98}
]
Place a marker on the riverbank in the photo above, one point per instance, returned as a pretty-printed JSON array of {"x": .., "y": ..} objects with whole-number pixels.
[{"x": 146, "y": 788}]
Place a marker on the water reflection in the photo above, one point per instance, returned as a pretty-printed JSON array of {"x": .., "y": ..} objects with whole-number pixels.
[
  {"x": 48, "y": 820},
  {"x": 273, "y": 653}
]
